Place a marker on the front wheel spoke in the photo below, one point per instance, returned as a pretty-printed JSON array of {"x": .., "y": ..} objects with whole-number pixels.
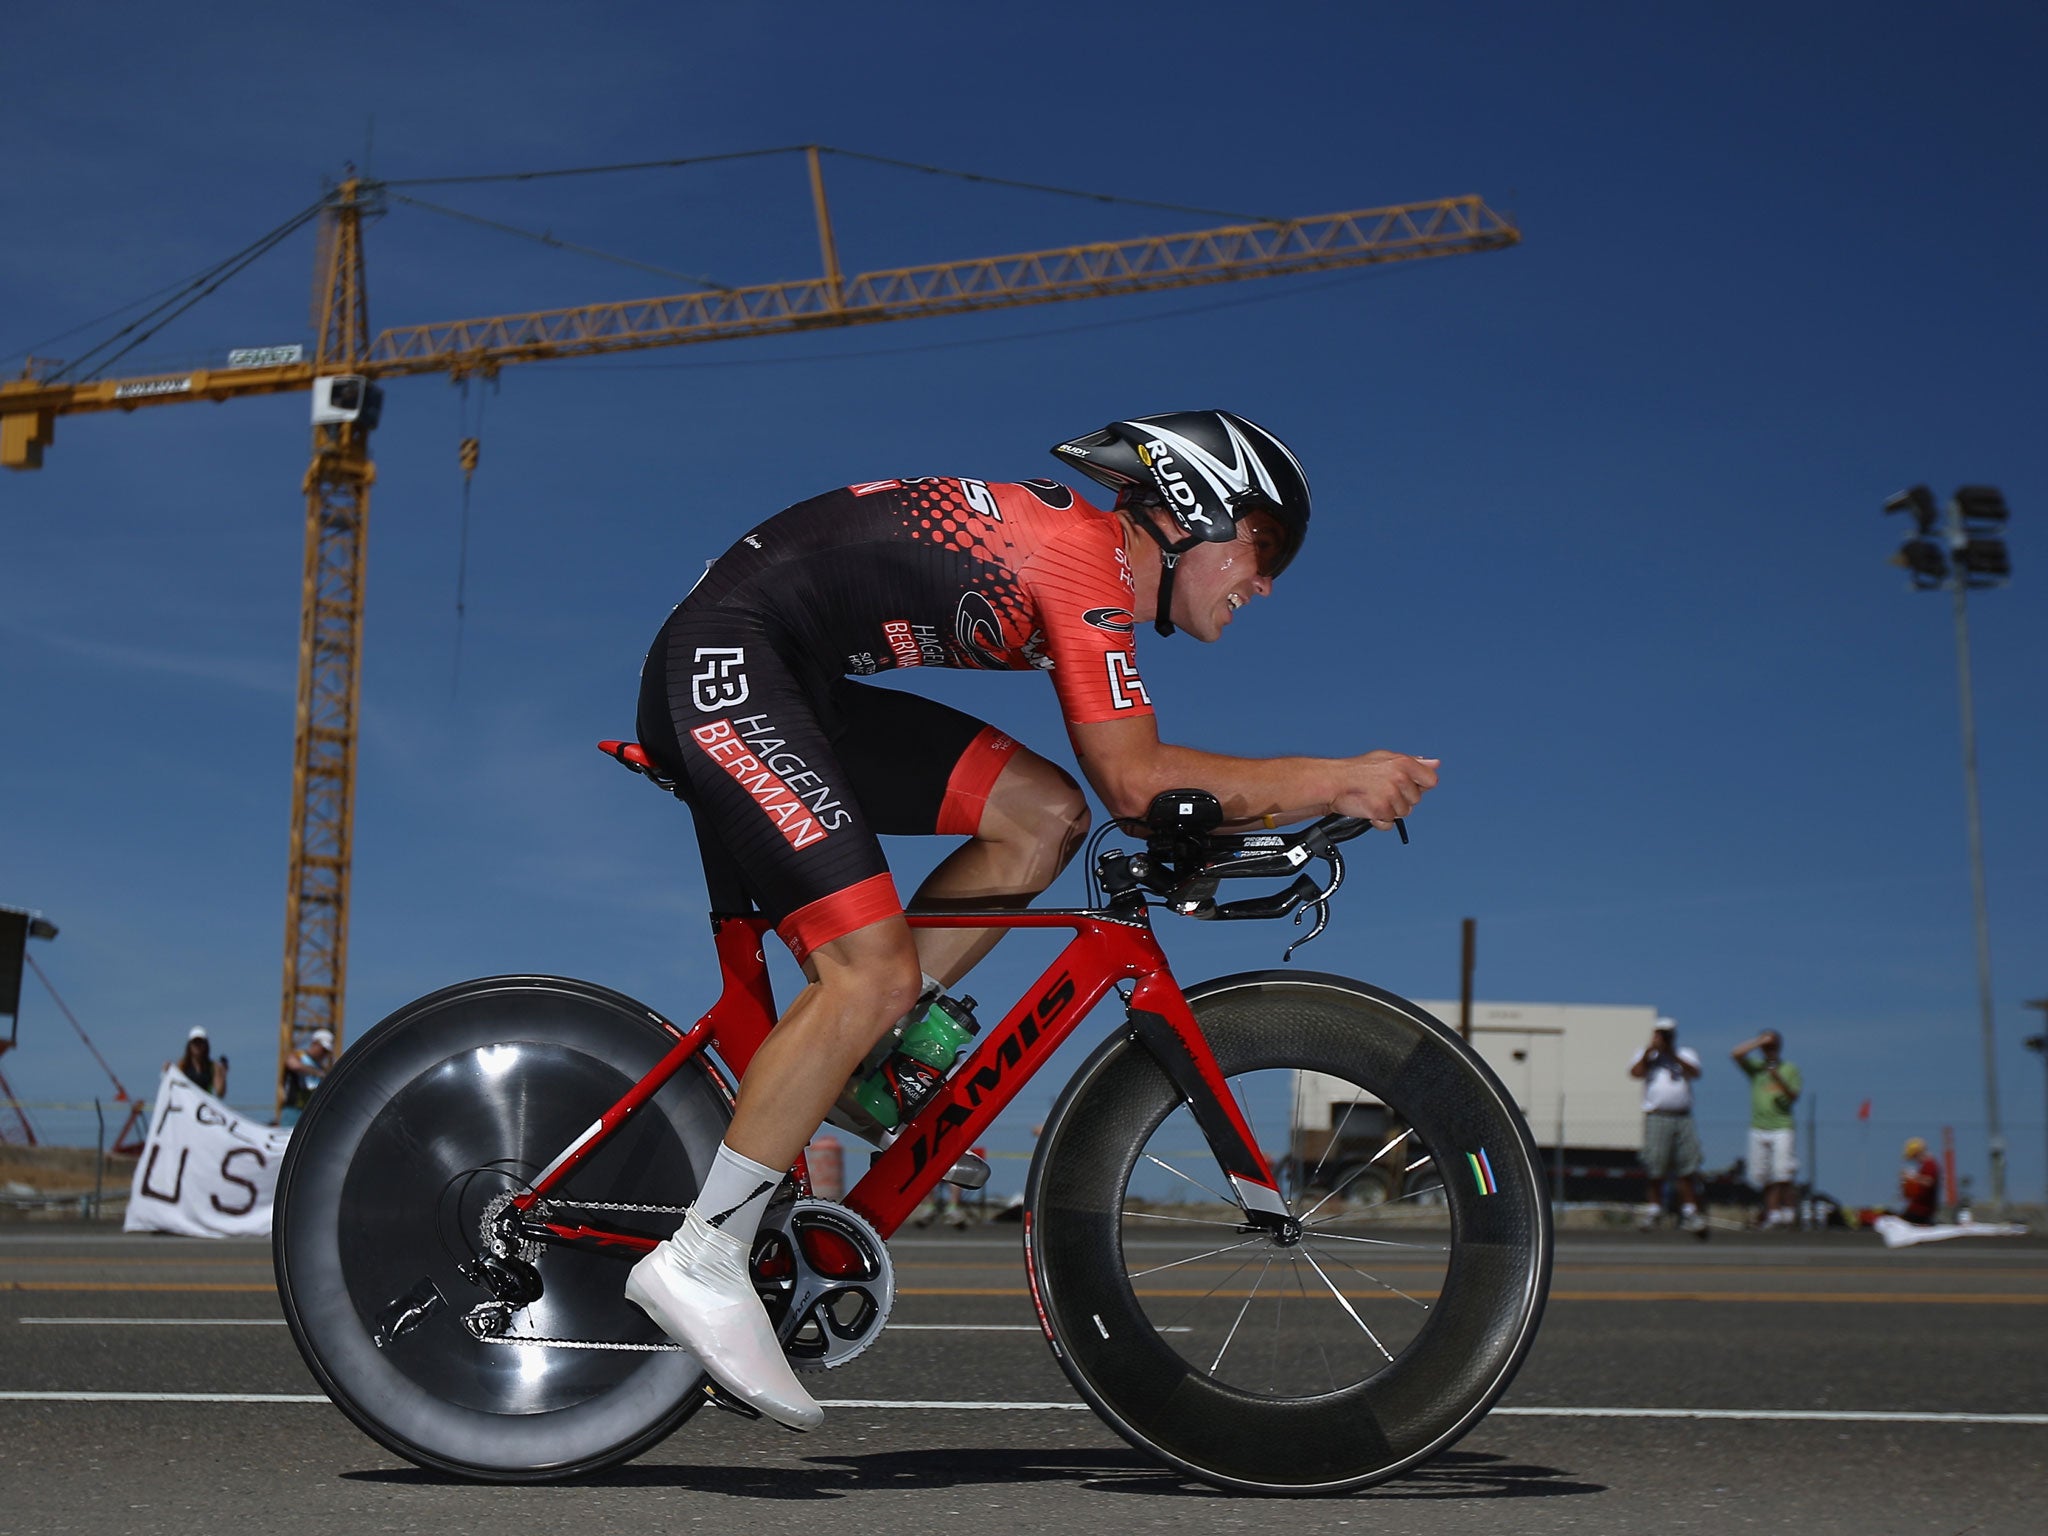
[
  {"x": 1336, "y": 1258},
  {"x": 1186, "y": 1311},
  {"x": 1139, "y": 1274},
  {"x": 1383, "y": 1151},
  {"x": 1327, "y": 1235},
  {"x": 1368, "y": 1213},
  {"x": 1336, "y": 1136},
  {"x": 1225, "y": 1199},
  {"x": 1192, "y": 1221},
  {"x": 1329, "y": 1371},
  {"x": 1345, "y": 1302},
  {"x": 1217, "y": 1364}
]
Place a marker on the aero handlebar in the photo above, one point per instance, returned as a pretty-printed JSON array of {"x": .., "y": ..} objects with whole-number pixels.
[{"x": 1185, "y": 859}]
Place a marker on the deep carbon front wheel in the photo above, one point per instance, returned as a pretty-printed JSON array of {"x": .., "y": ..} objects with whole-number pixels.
[
  {"x": 1364, "y": 1339},
  {"x": 425, "y": 1128}
]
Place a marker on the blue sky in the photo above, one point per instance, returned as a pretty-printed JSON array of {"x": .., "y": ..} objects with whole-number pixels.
[{"x": 1597, "y": 517}]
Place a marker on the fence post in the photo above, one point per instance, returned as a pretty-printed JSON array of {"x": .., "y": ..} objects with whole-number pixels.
[{"x": 99, "y": 1164}]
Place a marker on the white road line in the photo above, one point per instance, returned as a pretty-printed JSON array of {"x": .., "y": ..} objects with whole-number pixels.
[
  {"x": 160, "y": 1322},
  {"x": 982, "y": 1328},
  {"x": 1758, "y": 1415},
  {"x": 1775, "y": 1415},
  {"x": 162, "y": 1397},
  {"x": 877, "y": 1402},
  {"x": 278, "y": 1322}
]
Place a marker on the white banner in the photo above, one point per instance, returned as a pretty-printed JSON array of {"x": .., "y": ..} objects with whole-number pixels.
[{"x": 206, "y": 1172}]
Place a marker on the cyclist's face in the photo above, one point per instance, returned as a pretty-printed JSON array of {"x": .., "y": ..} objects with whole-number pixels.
[{"x": 1216, "y": 580}]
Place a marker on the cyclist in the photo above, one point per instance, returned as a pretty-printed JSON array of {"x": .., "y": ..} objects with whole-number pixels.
[{"x": 747, "y": 701}]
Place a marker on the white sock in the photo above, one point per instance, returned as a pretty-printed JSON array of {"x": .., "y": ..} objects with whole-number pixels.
[{"x": 735, "y": 1193}]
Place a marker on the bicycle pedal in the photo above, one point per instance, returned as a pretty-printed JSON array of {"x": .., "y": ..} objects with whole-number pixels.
[
  {"x": 970, "y": 1172},
  {"x": 720, "y": 1398}
]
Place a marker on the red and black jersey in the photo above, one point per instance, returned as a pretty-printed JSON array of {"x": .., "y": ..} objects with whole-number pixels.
[{"x": 940, "y": 572}]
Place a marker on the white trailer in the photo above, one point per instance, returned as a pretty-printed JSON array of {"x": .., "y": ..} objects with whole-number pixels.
[{"x": 1566, "y": 1064}]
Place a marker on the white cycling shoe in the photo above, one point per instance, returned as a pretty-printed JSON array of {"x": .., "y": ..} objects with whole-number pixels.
[{"x": 696, "y": 1287}]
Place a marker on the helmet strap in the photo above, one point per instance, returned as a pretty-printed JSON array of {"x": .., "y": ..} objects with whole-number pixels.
[
  {"x": 1170, "y": 552},
  {"x": 1162, "y": 620}
]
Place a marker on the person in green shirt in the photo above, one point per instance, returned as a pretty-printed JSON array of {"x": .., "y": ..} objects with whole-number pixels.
[{"x": 1774, "y": 1087}]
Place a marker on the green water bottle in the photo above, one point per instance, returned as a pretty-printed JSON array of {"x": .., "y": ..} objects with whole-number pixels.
[{"x": 912, "y": 1072}]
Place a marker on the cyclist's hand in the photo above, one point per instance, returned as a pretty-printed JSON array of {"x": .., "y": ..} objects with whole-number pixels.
[{"x": 1385, "y": 785}]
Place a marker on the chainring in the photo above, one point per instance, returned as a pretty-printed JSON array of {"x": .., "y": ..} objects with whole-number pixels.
[{"x": 825, "y": 1277}]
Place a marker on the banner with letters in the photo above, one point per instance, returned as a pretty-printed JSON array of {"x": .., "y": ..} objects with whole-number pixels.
[{"x": 206, "y": 1171}]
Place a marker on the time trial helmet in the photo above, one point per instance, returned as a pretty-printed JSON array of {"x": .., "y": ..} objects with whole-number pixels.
[{"x": 1207, "y": 469}]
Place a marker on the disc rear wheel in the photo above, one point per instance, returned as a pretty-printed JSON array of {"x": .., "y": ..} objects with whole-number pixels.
[{"x": 395, "y": 1186}]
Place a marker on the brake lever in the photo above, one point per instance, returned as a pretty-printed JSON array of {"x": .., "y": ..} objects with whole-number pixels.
[
  {"x": 1322, "y": 904},
  {"x": 1322, "y": 911}
]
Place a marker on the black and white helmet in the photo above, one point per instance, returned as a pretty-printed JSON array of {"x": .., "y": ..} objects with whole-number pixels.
[{"x": 1206, "y": 468}]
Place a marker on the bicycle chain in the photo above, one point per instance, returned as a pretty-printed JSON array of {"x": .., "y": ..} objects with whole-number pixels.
[
  {"x": 527, "y": 1338},
  {"x": 550, "y": 1207}
]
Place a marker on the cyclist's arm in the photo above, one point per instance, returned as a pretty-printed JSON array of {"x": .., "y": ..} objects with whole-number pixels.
[{"x": 1127, "y": 764}]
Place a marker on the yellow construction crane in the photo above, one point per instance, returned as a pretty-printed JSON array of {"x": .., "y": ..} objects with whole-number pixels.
[{"x": 347, "y": 362}]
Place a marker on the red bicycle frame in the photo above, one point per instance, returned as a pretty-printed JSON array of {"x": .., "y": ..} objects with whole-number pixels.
[{"x": 1107, "y": 947}]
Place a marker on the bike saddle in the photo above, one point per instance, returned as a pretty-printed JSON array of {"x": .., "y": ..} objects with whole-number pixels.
[{"x": 631, "y": 753}]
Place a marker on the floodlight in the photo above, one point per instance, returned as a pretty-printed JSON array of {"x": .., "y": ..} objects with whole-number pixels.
[
  {"x": 1925, "y": 560},
  {"x": 1919, "y": 501},
  {"x": 1984, "y": 561},
  {"x": 1982, "y": 506}
]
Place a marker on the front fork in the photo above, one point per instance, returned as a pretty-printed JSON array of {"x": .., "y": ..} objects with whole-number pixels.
[{"x": 1165, "y": 1026}]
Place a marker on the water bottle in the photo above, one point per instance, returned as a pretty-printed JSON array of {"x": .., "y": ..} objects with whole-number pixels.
[{"x": 912, "y": 1072}]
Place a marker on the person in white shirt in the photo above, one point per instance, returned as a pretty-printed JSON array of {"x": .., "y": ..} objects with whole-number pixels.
[{"x": 1671, "y": 1144}]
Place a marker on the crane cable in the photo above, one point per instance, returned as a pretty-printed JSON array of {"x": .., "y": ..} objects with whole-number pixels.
[
  {"x": 554, "y": 242},
  {"x": 823, "y": 149},
  {"x": 1036, "y": 186},
  {"x": 468, "y": 454},
  {"x": 199, "y": 288}
]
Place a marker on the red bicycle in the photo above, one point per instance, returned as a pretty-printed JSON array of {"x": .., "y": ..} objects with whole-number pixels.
[{"x": 460, "y": 1202}]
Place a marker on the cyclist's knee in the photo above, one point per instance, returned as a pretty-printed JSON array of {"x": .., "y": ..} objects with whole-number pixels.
[
  {"x": 1037, "y": 809},
  {"x": 1072, "y": 822},
  {"x": 1062, "y": 825},
  {"x": 874, "y": 968}
]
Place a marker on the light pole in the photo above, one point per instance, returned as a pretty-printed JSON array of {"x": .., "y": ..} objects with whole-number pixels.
[
  {"x": 1968, "y": 553},
  {"x": 2040, "y": 1043}
]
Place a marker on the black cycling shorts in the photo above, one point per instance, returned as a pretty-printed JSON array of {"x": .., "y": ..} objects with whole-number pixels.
[{"x": 796, "y": 774}]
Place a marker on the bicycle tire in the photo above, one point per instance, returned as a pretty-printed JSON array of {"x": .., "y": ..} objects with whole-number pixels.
[
  {"x": 451, "y": 1102},
  {"x": 1470, "y": 1338}
]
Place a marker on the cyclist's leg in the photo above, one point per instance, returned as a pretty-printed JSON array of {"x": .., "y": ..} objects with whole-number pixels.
[
  {"x": 723, "y": 711},
  {"x": 756, "y": 747},
  {"x": 922, "y": 768},
  {"x": 866, "y": 980},
  {"x": 1030, "y": 828}
]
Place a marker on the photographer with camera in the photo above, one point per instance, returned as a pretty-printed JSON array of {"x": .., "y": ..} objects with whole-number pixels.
[{"x": 1671, "y": 1143}]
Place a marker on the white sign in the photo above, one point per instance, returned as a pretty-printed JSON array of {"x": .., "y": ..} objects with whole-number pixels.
[
  {"x": 265, "y": 357},
  {"x": 207, "y": 1171},
  {"x": 142, "y": 389}
]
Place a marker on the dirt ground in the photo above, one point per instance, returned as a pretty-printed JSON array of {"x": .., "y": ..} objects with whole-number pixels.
[{"x": 61, "y": 1170}]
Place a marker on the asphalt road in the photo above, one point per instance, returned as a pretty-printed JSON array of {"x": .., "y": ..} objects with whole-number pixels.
[{"x": 1808, "y": 1383}]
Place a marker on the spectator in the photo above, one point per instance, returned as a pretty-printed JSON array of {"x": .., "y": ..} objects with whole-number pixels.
[
  {"x": 1919, "y": 1184},
  {"x": 198, "y": 1065},
  {"x": 302, "y": 1074},
  {"x": 1774, "y": 1086},
  {"x": 1671, "y": 1143}
]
